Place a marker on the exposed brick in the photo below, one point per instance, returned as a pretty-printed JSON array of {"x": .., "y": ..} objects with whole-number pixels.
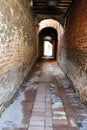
[
  {"x": 17, "y": 48},
  {"x": 72, "y": 55}
]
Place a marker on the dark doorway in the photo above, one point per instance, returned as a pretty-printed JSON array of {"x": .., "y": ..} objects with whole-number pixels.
[{"x": 48, "y": 40}]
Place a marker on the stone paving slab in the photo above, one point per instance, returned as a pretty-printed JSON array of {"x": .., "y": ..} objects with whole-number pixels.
[
  {"x": 14, "y": 128},
  {"x": 46, "y": 101}
]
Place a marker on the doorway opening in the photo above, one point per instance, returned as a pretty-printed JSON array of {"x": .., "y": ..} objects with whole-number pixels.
[
  {"x": 48, "y": 43},
  {"x": 48, "y": 49}
]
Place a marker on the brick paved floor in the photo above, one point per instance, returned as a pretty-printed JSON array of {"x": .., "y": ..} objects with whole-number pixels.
[{"x": 46, "y": 101}]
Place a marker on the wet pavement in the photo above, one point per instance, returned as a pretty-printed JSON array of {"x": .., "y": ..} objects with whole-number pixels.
[{"x": 46, "y": 101}]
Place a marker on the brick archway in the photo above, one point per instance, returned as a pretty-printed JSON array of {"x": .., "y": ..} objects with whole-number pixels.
[{"x": 50, "y": 32}]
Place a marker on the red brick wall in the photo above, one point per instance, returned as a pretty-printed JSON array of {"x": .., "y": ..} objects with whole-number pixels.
[
  {"x": 17, "y": 48},
  {"x": 73, "y": 46}
]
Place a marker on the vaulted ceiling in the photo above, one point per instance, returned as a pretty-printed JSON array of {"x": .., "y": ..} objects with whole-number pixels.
[{"x": 51, "y": 7}]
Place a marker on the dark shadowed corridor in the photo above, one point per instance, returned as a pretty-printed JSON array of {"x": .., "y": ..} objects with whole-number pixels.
[
  {"x": 43, "y": 64},
  {"x": 46, "y": 101}
]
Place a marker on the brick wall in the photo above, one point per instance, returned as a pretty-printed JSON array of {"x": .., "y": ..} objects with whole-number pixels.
[
  {"x": 72, "y": 55},
  {"x": 17, "y": 53}
]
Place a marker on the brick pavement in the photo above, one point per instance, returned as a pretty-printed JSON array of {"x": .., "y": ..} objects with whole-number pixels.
[{"x": 46, "y": 101}]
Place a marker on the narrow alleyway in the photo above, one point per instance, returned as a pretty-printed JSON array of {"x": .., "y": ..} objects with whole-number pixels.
[{"x": 46, "y": 101}]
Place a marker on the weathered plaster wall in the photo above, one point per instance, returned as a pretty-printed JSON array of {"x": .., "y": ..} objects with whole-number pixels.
[
  {"x": 48, "y": 23},
  {"x": 73, "y": 48},
  {"x": 17, "y": 49}
]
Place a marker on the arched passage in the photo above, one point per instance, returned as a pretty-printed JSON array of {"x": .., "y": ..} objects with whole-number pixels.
[{"x": 48, "y": 34}]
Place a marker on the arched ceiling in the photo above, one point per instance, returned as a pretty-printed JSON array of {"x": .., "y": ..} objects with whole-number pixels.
[
  {"x": 48, "y": 31},
  {"x": 48, "y": 23}
]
